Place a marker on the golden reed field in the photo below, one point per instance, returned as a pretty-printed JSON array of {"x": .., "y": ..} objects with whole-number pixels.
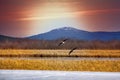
[
  {"x": 59, "y": 53},
  {"x": 10, "y": 59}
]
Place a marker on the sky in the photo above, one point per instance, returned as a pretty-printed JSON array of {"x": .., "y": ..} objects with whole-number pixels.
[{"x": 21, "y": 18}]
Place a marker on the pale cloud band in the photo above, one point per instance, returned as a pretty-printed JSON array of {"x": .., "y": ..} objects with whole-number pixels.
[{"x": 70, "y": 14}]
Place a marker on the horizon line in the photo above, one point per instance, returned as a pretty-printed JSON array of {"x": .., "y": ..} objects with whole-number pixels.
[{"x": 56, "y": 29}]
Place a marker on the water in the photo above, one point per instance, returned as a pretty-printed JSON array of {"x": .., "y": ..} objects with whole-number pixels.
[{"x": 57, "y": 75}]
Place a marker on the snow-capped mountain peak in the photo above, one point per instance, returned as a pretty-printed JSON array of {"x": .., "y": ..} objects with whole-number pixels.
[
  {"x": 73, "y": 33},
  {"x": 66, "y": 28}
]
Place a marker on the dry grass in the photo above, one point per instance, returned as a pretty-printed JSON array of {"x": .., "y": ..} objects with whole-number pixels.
[
  {"x": 51, "y": 64},
  {"x": 59, "y": 53},
  {"x": 69, "y": 65}
]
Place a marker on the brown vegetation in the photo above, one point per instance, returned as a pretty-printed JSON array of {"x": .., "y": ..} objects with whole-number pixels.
[
  {"x": 59, "y": 53},
  {"x": 53, "y": 44},
  {"x": 66, "y": 65}
]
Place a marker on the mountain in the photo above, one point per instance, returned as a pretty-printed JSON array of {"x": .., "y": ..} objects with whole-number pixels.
[
  {"x": 3, "y": 38},
  {"x": 72, "y": 33},
  {"x": 8, "y": 38}
]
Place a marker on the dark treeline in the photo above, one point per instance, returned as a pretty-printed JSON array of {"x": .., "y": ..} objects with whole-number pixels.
[{"x": 53, "y": 44}]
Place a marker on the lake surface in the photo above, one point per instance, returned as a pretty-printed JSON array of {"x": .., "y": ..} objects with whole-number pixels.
[{"x": 57, "y": 75}]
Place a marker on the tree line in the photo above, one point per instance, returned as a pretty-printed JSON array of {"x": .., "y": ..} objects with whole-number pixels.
[{"x": 53, "y": 44}]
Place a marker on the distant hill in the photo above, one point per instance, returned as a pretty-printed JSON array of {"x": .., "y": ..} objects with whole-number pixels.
[
  {"x": 8, "y": 38},
  {"x": 3, "y": 38},
  {"x": 72, "y": 33},
  {"x": 50, "y": 42}
]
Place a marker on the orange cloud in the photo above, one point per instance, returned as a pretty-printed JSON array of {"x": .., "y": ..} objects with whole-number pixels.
[
  {"x": 71, "y": 14},
  {"x": 94, "y": 12}
]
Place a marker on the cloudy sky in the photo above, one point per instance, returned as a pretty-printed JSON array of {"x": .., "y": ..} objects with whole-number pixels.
[{"x": 20, "y": 18}]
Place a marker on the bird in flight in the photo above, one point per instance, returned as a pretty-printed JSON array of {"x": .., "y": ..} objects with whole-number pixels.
[
  {"x": 62, "y": 42},
  {"x": 72, "y": 50}
]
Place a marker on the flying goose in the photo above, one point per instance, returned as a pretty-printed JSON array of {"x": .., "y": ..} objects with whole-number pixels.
[
  {"x": 62, "y": 42},
  {"x": 72, "y": 50}
]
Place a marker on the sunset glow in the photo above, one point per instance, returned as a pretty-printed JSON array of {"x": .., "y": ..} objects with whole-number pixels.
[
  {"x": 20, "y": 18},
  {"x": 52, "y": 16}
]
